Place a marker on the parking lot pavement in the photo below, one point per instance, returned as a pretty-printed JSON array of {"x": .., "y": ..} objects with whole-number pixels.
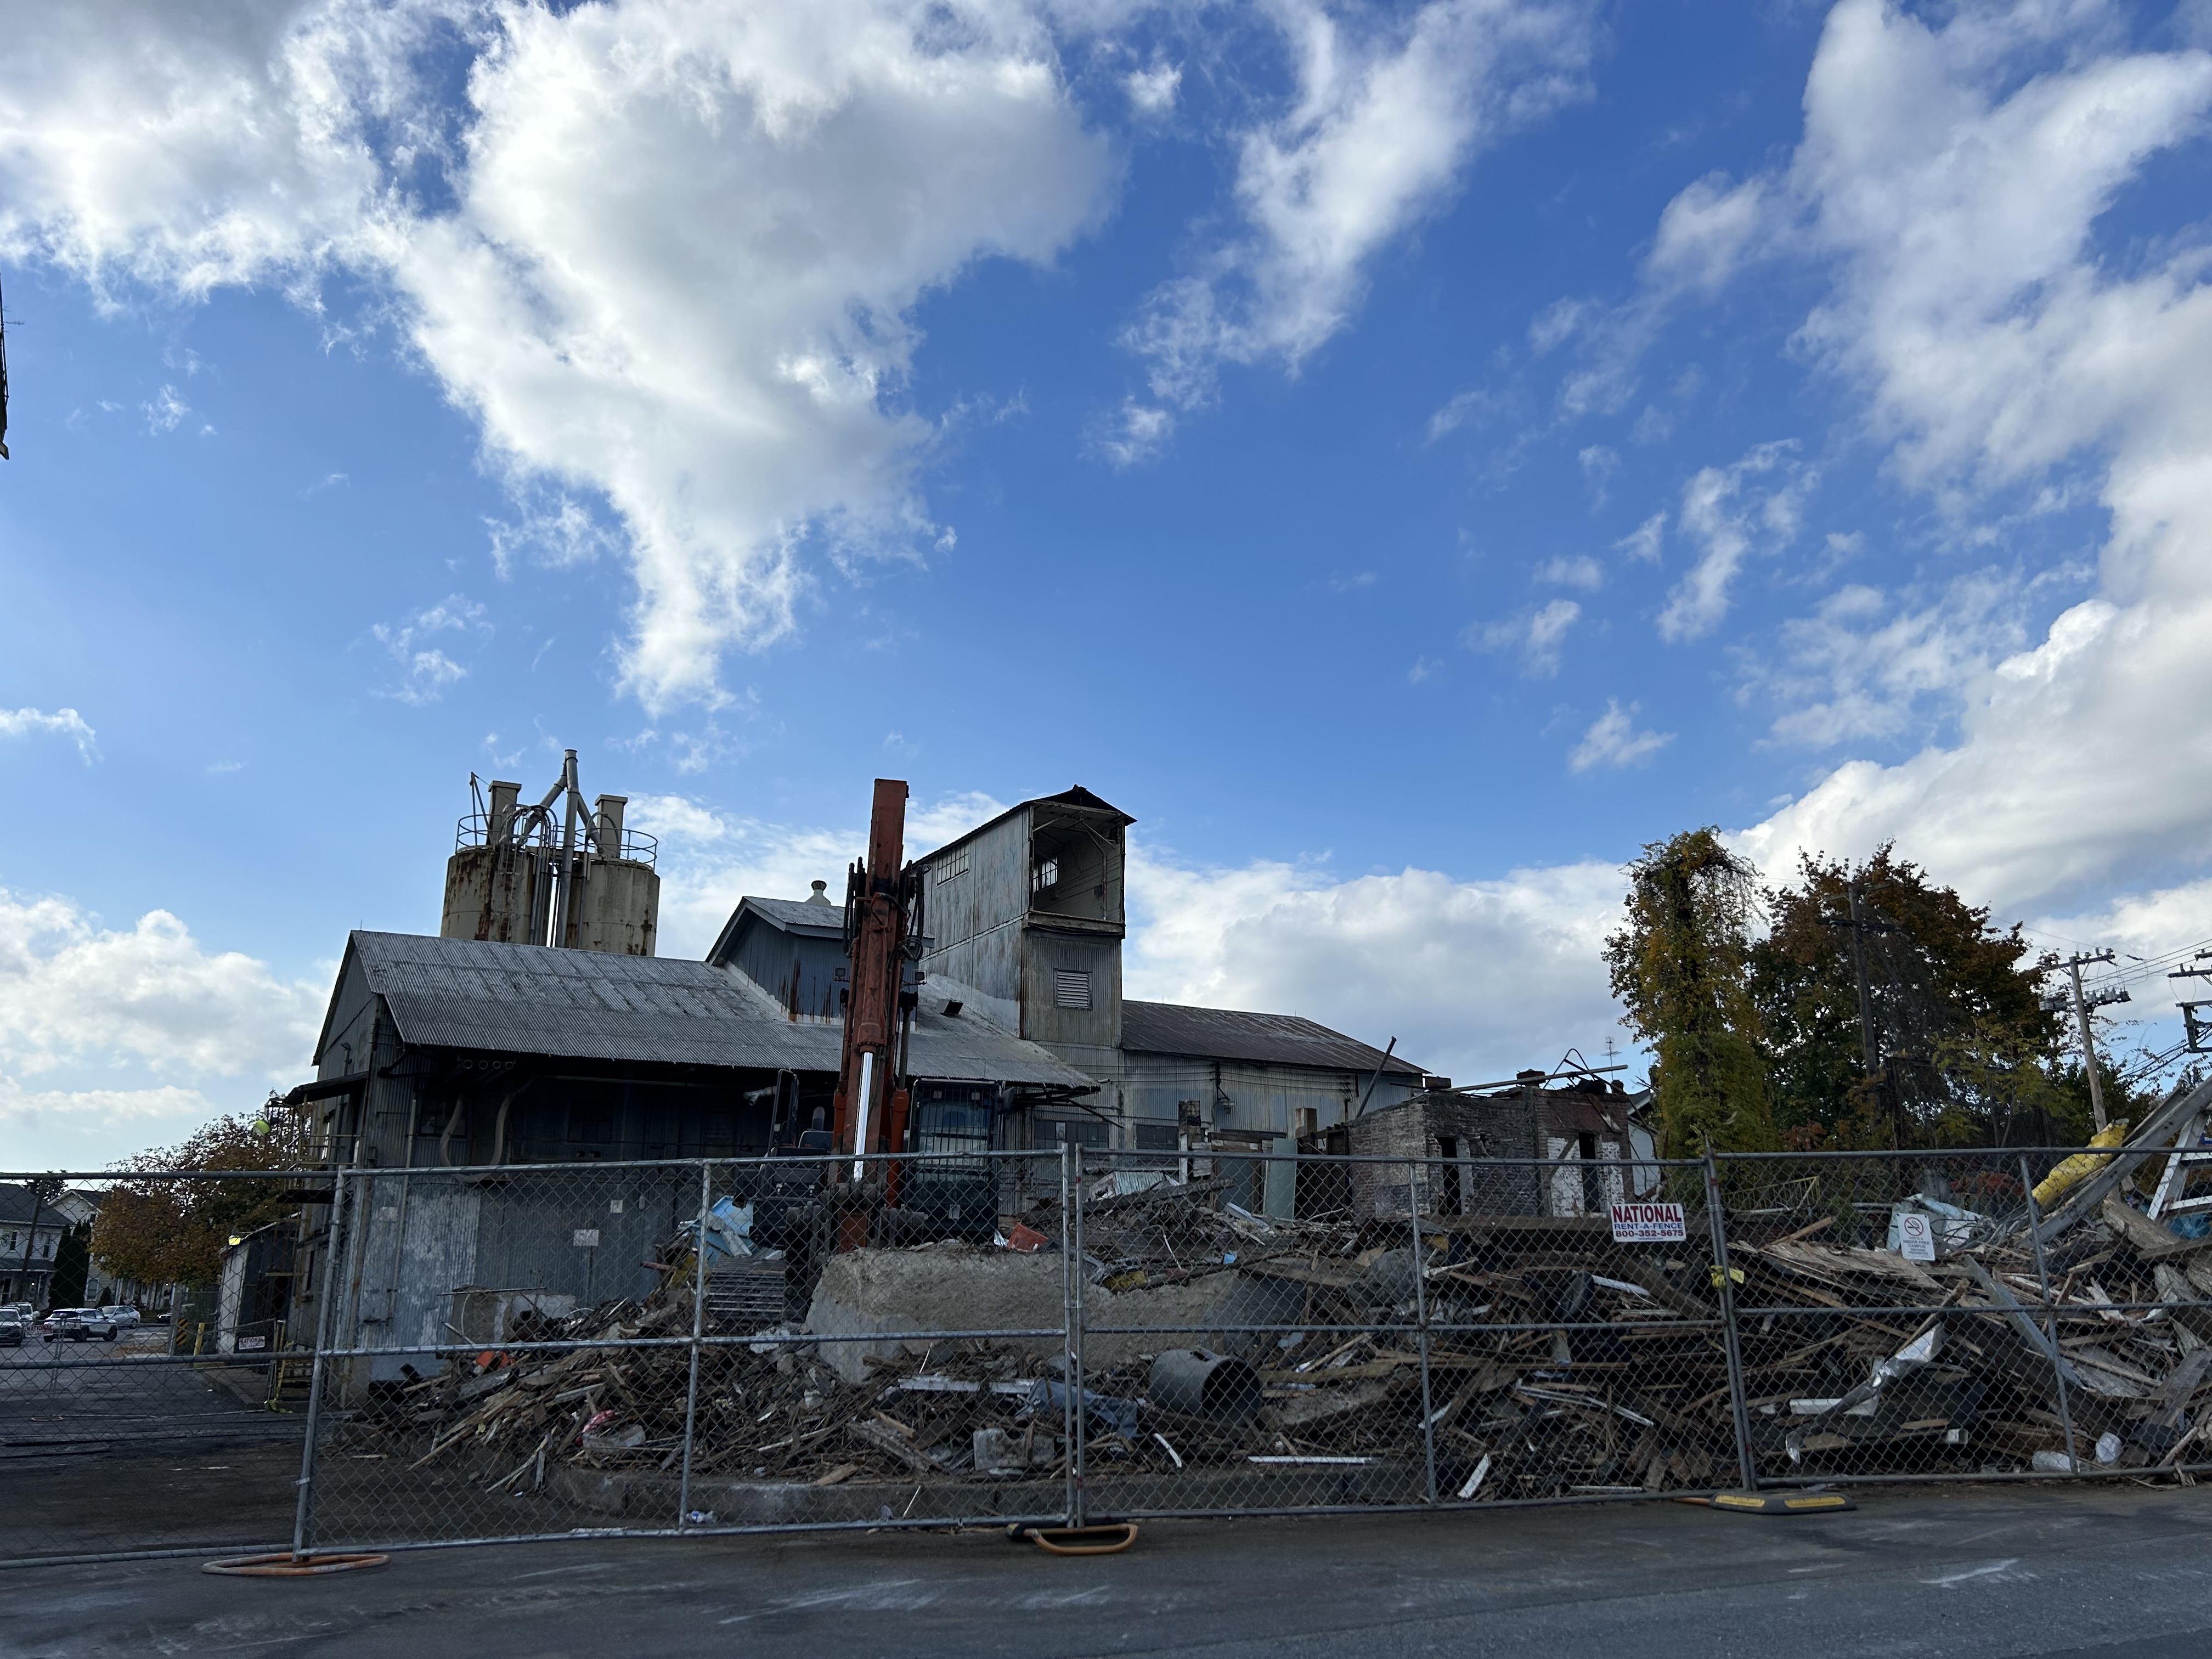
[
  {"x": 2102, "y": 1573},
  {"x": 106, "y": 1446}
]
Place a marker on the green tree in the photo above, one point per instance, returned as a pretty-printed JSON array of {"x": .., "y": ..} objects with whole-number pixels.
[
  {"x": 72, "y": 1260},
  {"x": 1681, "y": 966},
  {"x": 1964, "y": 1052},
  {"x": 172, "y": 1230}
]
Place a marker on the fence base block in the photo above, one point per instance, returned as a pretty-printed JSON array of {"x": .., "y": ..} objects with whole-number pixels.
[{"x": 1773, "y": 1503}]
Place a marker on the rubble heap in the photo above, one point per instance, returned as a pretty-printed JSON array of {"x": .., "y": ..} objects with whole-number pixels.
[{"x": 1557, "y": 1362}]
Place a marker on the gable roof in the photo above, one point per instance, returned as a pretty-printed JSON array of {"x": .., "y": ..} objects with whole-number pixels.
[
  {"x": 801, "y": 916},
  {"x": 589, "y": 1004},
  {"x": 1077, "y": 798},
  {"x": 15, "y": 1207},
  {"x": 1173, "y": 1028}
]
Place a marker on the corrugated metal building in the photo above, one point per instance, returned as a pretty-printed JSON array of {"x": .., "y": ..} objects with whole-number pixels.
[
  {"x": 446, "y": 1052},
  {"x": 1029, "y": 911}
]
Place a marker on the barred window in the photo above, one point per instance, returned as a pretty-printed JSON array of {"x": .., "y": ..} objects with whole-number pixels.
[
  {"x": 955, "y": 865},
  {"x": 1071, "y": 989}
]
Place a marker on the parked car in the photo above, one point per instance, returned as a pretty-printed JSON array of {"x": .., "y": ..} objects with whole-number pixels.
[
  {"x": 11, "y": 1330},
  {"x": 22, "y": 1310},
  {"x": 77, "y": 1325},
  {"x": 125, "y": 1318}
]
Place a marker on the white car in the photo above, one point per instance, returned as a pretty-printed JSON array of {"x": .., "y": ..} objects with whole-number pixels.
[
  {"x": 77, "y": 1325},
  {"x": 125, "y": 1317}
]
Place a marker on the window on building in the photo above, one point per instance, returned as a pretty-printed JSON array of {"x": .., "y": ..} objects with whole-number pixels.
[
  {"x": 1053, "y": 1132},
  {"x": 1155, "y": 1137},
  {"x": 1071, "y": 989},
  {"x": 1046, "y": 874},
  {"x": 954, "y": 865}
]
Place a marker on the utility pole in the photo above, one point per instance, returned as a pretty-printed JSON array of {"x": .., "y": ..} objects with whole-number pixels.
[
  {"x": 2081, "y": 1005},
  {"x": 2197, "y": 1027}
]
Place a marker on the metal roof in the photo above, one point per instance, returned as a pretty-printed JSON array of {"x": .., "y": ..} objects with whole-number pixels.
[
  {"x": 803, "y": 916},
  {"x": 588, "y": 1005},
  {"x": 1076, "y": 800},
  {"x": 1171, "y": 1028}
]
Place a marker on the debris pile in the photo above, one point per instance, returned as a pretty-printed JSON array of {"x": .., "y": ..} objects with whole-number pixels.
[{"x": 1529, "y": 1357}]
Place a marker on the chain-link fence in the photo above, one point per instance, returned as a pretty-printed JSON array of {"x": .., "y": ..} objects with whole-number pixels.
[{"x": 434, "y": 1355}]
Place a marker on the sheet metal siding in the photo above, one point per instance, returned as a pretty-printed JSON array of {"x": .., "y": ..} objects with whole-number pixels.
[
  {"x": 992, "y": 892},
  {"x": 1260, "y": 1097},
  {"x": 991, "y": 963},
  {"x": 1048, "y": 953},
  {"x": 798, "y": 971},
  {"x": 352, "y": 1000}
]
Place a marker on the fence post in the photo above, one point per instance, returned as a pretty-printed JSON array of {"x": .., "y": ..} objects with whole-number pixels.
[
  {"x": 1747, "y": 1468},
  {"x": 698, "y": 1329},
  {"x": 1071, "y": 1323},
  {"x": 1421, "y": 1320},
  {"x": 325, "y": 1336},
  {"x": 1078, "y": 1443},
  {"x": 2050, "y": 1315}
]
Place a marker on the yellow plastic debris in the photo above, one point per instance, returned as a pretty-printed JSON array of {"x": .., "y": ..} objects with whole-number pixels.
[{"x": 2079, "y": 1167}]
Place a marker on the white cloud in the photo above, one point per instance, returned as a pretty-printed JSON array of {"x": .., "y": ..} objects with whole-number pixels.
[
  {"x": 1384, "y": 121},
  {"x": 1861, "y": 666},
  {"x": 1613, "y": 740},
  {"x": 1706, "y": 234},
  {"x": 684, "y": 243},
  {"x": 1645, "y": 542},
  {"x": 72, "y": 992},
  {"x": 710, "y": 860},
  {"x": 167, "y": 412},
  {"x": 425, "y": 669},
  {"x": 26, "y": 1111},
  {"x": 1572, "y": 570},
  {"x": 1953, "y": 179},
  {"x": 138, "y": 143},
  {"x": 1133, "y": 434},
  {"x": 1475, "y": 979},
  {"x": 1537, "y": 635},
  {"x": 1726, "y": 511},
  {"x": 1153, "y": 91},
  {"x": 689, "y": 241},
  {"x": 63, "y": 722}
]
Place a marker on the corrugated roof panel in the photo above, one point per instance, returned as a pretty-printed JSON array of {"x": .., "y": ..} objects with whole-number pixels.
[
  {"x": 526, "y": 999},
  {"x": 1169, "y": 1028}
]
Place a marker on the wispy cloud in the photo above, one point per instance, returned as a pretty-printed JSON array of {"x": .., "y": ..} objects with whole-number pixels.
[
  {"x": 1752, "y": 507},
  {"x": 1536, "y": 634},
  {"x": 62, "y": 723},
  {"x": 1613, "y": 740},
  {"x": 425, "y": 668},
  {"x": 1385, "y": 118}
]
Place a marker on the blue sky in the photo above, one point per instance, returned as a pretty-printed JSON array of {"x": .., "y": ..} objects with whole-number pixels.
[{"x": 1407, "y": 456}]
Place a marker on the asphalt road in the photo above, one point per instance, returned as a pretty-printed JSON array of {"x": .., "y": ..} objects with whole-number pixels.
[{"x": 2104, "y": 1571}]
